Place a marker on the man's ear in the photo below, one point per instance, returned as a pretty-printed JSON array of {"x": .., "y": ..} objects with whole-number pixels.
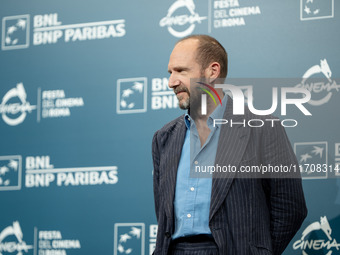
[
  {"x": 213, "y": 71},
  {"x": 216, "y": 69}
]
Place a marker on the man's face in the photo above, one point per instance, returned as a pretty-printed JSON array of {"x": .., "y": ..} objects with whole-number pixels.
[{"x": 183, "y": 66}]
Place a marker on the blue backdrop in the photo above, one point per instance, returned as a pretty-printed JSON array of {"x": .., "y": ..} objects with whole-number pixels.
[{"x": 84, "y": 87}]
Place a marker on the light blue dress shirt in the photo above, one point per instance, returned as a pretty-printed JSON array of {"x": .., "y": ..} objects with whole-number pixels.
[{"x": 192, "y": 195}]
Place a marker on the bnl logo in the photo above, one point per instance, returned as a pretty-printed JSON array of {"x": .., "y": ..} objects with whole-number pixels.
[
  {"x": 129, "y": 238},
  {"x": 309, "y": 156},
  {"x": 132, "y": 95},
  {"x": 316, "y": 9},
  {"x": 10, "y": 172},
  {"x": 15, "y": 32}
]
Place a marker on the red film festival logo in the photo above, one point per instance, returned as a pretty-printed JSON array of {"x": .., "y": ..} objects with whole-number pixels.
[{"x": 239, "y": 104}]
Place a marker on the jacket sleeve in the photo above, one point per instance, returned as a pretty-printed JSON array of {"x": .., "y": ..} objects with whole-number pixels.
[
  {"x": 155, "y": 158},
  {"x": 285, "y": 194}
]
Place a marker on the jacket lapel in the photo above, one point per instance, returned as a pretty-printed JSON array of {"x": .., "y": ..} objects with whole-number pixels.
[
  {"x": 173, "y": 142},
  {"x": 231, "y": 146}
]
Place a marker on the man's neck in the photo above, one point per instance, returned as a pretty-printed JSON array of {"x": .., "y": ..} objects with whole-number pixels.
[
  {"x": 196, "y": 114},
  {"x": 201, "y": 120}
]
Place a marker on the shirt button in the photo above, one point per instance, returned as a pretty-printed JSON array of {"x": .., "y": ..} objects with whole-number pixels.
[
  {"x": 196, "y": 162},
  {"x": 189, "y": 215},
  {"x": 192, "y": 188}
]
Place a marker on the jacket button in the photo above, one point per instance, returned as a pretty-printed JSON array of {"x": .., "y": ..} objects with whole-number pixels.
[{"x": 167, "y": 234}]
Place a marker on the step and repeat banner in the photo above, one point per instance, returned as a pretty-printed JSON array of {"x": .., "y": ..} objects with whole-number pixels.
[{"x": 83, "y": 88}]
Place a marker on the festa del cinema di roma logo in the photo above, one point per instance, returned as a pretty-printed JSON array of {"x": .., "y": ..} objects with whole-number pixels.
[
  {"x": 12, "y": 111},
  {"x": 321, "y": 246},
  {"x": 185, "y": 21},
  {"x": 15, "y": 107},
  {"x": 17, "y": 244},
  {"x": 319, "y": 87}
]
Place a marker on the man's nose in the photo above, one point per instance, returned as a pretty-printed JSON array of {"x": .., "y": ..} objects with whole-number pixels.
[{"x": 173, "y": 81}]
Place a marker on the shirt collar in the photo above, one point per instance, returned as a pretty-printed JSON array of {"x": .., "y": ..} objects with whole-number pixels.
[{"x": 187, "y": 120}]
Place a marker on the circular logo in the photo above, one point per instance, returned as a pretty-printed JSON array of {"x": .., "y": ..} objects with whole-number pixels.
[
  {"x": 15, "y": 113},
  {"x": 11, "y": 247},
  {"x": 310, "y": 245},
  {"x": 181, "y": 20},
  {"x": 317, "y": 85}
]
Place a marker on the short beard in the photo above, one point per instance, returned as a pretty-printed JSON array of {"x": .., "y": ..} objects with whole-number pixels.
[{"x": 186, "y": 104}]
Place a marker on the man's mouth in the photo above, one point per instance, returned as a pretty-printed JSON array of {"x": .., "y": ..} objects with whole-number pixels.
[{"x": 180, "y": 91}]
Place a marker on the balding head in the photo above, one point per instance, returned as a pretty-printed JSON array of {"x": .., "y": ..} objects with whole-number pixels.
[{"x": 208, "y": 50}]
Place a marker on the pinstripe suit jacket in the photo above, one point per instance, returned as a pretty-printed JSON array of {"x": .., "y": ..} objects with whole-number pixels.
[{"x": 247, "y": 215}]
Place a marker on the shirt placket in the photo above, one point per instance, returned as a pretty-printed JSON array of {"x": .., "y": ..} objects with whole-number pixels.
[{"x": 192, "y": 186}]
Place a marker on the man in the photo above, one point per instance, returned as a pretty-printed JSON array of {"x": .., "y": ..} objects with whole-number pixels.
[{"x": 224, "y": 214}]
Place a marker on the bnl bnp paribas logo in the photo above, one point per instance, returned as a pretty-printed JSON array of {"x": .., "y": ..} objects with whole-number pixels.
[
  {"x": 48, "y": 29},
  {"x": 181, "y": 18},
  {"x": 316, "y": 9},
  {"x": 132, "y": 95},
  {"x": 14, "y": 106},
  {"x": 317, "y": 238},
  {"x": 15, "y": 32},
  {"x": 10, "y": 172},
  {"x": 313, "y": 159},
  {"x": 129, "y": 238}
]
